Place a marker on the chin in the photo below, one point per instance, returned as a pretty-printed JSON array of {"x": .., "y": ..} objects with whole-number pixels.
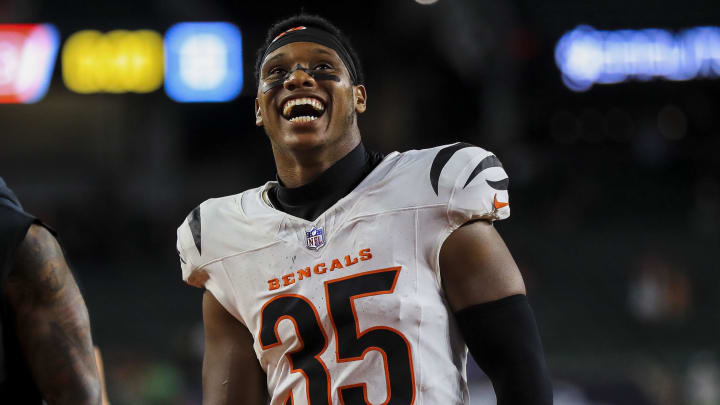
[{"x": 304, "y": 140}]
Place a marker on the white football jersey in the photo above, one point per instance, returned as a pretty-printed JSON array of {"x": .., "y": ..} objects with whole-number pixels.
[{"x": 349, "y": 308}]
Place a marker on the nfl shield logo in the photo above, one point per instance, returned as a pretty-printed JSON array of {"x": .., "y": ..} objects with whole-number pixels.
[{"x": 315, "y": 238}]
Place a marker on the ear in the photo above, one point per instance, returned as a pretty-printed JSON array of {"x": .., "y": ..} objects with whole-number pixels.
[
  {"x": 258, "y": 114},
  {"x": 360, "y": 96}
]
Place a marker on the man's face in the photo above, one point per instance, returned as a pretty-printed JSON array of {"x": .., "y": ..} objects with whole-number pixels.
[{"x": 313, "y": 102}]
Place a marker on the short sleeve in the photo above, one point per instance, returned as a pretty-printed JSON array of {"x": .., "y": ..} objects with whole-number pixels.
[
  {"x": 481, "y": 189},
  {"x": 14, "y": 225},
  {"x": 199, "y": 269}
]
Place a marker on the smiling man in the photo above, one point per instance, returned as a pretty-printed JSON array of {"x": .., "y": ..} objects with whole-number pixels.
[{"x": 355, "y": 278}]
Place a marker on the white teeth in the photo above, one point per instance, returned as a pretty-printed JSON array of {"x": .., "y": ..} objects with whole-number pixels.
[
  {"x": 315, "y": 103},
  {"x": 302, "y": 119}
]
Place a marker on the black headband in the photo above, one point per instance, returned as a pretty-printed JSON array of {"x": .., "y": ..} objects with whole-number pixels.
[{"x": 311, "y": 34}]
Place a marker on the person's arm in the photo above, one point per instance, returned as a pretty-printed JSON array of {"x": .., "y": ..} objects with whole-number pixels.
[
  {"x": 231, "y": 372},
  {"x": 52, "y": 321},
  {"x": 486, "y": 291},
  {"x": 101, "y": 373}
]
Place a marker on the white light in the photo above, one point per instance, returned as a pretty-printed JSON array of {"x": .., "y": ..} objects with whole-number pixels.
[
  {"x": 587, "y": 56},
  {"x": 203, "y": 61},
  {"x": 35, "y": 60},
  {"x": 426, "y": 2},
  {"x": 9, "y": 63},
  {"x": 27, "y": 58}
]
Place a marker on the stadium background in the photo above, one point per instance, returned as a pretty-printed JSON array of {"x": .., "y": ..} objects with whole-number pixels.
[{"x": 615, "y": 190}]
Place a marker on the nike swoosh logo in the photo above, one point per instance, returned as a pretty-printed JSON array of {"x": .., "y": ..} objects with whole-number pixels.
[{"x": 499, "y": 204}]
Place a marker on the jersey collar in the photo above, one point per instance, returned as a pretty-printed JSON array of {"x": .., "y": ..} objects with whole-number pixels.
[{"x": 338, "y": 180}]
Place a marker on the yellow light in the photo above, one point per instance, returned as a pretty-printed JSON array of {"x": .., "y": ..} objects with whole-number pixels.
[{"x": 117, "y": 62}]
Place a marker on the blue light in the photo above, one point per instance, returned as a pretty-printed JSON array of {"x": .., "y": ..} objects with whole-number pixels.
[
  {"x": 587, "y": 56},
  {"x": 203, "y": 62}
]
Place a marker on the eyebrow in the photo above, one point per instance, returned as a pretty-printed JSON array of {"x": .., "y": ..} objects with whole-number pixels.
[
  {"x": 324, "y": 51},
  {"x": 281, "y": 54}
]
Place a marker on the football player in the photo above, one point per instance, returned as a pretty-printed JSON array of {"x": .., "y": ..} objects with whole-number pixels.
[
  {"x": 46, "y": 351},
  {"x": 355, "y": 278}
]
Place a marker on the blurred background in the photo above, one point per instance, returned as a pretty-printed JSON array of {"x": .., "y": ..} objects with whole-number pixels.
[{"x": 604, "y": 113}]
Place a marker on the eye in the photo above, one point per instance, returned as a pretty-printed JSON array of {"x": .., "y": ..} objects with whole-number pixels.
[
  {"x": 322, "y": 66},
  {"x": 277, "y": 70}
]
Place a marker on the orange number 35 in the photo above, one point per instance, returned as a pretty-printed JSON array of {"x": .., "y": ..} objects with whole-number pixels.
[{"x": 352, "y": 343}]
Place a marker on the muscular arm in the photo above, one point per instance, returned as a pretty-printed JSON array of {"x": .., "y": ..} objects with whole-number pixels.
[
  {"x": 477, "y": 267},
  {"x": 52, "y": 321},
  {"x": 231, "y": 372},
  {"x": 485, "y": 289}
]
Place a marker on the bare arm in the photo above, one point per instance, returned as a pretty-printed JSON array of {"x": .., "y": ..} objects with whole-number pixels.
[
  {"x": 477, "y": 267},
  {"x": 101, "y": 373},
  {"x": 485, "y": 289},
  {"x": 52, "y": 322},
  {"x": 231, "y": 372}
]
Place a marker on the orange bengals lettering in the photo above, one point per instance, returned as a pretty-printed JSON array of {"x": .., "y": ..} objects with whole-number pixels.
[
  {"x": 288, "y": 279},
  {"x": 319, "y": 268},
  {"x": 304, "y": 273},
  {"x": 365, "y": 254},
  {"x": 335, "y": 265}
]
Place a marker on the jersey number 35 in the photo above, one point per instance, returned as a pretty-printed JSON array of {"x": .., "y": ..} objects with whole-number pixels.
[{"x": 352, "y": 343}]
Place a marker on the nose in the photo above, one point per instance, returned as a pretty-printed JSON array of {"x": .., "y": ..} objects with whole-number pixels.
[{"x": 299, "y": 78}]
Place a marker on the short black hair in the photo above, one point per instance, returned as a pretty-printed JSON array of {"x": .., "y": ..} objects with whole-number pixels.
[{"x": 308, "y": 20}]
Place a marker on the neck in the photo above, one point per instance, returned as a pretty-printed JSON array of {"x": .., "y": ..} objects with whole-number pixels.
[{"x": 296, "y": 168}]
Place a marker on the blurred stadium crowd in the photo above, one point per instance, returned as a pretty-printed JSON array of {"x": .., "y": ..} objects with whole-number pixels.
[{"x": 615, "y": 189}]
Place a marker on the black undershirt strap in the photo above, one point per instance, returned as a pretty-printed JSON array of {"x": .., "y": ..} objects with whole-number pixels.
[{"x": 311, "y": 200}]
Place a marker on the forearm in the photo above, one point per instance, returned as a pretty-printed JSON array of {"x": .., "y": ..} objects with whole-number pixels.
[{"x": 503, "y": 339}]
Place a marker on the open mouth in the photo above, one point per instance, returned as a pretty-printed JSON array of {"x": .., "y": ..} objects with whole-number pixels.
[{"x": 301, "y": 110}]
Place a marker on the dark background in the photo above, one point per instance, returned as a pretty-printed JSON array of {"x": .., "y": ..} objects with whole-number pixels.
[{"x": 615, "y": 223}]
